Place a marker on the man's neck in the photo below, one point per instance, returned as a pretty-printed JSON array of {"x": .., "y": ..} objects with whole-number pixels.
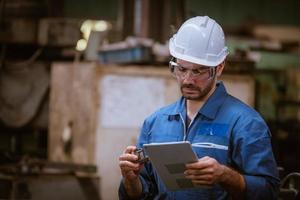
[{"x": 193, "y": 106}]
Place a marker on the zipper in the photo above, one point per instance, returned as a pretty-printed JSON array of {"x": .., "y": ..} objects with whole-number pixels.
[{"x": 184, "y": 127}]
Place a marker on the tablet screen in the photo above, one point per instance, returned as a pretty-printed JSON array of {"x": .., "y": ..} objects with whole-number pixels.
[{"x": 169, "y": 161}]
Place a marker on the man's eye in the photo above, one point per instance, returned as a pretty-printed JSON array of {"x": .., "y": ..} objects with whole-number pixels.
[
  {"x": 181, "y": 69},
  {"x": 199, "y": 71},
  {"x": 196, "y": 71}
]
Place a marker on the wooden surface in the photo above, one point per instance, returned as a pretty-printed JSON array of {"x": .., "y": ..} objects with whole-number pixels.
[{"x": 73, "y": 98}]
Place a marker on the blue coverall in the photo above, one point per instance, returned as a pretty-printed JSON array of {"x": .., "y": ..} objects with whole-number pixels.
[{"x": 241, "y": 138}]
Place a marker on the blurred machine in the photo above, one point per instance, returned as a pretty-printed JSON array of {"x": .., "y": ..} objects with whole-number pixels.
[
  {"x": 30, "y": 39},
  {"x": 37, "y": 179}
]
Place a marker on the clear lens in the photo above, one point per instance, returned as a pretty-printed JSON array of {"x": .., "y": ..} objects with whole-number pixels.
[{"x": 182, "y": 72}]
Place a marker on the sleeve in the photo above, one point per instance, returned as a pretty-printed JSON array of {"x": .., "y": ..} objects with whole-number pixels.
[
  {"x": 252, "y": 155},
  {"x": 146, "y": 176}
]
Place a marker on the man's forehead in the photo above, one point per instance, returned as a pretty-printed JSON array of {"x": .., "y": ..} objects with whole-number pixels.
[{"x": 188, "y": 64}]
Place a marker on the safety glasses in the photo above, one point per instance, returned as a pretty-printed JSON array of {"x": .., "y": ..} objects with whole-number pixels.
[{"x": 201, "y": 73}]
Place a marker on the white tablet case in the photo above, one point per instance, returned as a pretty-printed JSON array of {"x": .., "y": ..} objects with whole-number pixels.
[{"x": 169, "y": 160}]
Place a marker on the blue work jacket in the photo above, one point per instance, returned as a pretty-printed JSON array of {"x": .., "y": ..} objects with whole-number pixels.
[{"x": 237, "y": 135}]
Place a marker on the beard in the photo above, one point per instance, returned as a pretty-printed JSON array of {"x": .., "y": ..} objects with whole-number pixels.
[{"x": 193, "y": 92}]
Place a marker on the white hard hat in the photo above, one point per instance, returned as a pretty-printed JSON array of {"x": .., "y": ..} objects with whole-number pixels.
[{"x": 199, "y": 40}]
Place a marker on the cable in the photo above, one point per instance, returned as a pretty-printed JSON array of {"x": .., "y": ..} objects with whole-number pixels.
[
  {"x": 34, "y": 56},
  {"x": 291, "y": 175}
]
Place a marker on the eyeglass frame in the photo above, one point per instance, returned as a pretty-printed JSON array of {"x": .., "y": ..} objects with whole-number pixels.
[{"x": 173, "y": 64}]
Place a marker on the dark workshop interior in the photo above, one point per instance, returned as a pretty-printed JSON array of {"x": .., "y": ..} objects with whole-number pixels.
[{"x": 68, "y": 80}]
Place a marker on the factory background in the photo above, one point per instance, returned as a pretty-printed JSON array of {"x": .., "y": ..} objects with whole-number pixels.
[{"x": 77, "y": 78}]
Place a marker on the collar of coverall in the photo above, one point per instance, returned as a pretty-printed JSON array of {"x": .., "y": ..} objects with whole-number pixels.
[{"x": 211, "y": 106}]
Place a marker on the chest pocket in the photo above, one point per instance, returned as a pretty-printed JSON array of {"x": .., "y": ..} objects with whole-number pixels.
[
  {"x": 211, "y": 139},
  {"x": 165, "y": 130}
]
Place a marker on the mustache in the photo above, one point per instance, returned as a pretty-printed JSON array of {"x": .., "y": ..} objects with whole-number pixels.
[{"x": 189, "y": 86}]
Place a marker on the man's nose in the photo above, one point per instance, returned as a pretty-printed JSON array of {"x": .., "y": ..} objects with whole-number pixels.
[{"x": 188, "y": 77}]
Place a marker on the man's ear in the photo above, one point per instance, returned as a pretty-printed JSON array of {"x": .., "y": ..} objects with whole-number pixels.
[{"x": 220, "y": 68}]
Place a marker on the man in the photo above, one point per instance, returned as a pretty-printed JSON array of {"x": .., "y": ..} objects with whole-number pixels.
[{"x": 239, "y": 163}]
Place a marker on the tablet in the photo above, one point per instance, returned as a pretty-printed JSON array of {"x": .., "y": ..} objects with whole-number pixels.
[{"x": 169, "y": 161}]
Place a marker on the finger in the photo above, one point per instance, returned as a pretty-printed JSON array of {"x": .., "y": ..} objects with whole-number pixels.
[
  {"x": 197, "y": 165},
  {"x": 201, "y": 180},
  {"x": 128, "y": 157},
  {"x": 205, "y": 158},
  {"x": 198, "y": 172},
  {"x": 204, "y": 177},
  {"x": 202, "y": 183},
  {"x": 130, "y": 149},
  {"x": 200, "y": 164},
  {"x": 126, "y": 165}
]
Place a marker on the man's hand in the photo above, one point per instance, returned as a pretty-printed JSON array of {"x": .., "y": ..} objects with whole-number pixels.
[
  {"x": 128, "y": 163},
  {"x": 130, "y": 170},
  {"x": 207, "y": 171}
]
